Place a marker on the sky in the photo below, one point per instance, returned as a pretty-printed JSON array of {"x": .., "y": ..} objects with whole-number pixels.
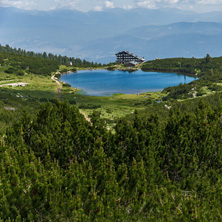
[{"x": 99, "y": 5}]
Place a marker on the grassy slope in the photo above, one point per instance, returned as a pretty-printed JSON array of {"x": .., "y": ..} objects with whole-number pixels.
[
  {"x": 20, "y": 98},
  {"x": 42, "y": 88}
]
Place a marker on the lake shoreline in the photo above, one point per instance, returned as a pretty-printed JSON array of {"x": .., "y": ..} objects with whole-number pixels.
[
  {"x": 77, "y": 90},
  {"x": 106, "y": 85}
]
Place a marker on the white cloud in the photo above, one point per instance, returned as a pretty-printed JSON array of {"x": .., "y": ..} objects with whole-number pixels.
[
  {"x": 176, "y": 3},
  {"x": 147, "y": 4},
  {"x": 70, "y": 4},
  {"x": 99, "y": 5},
  {"x": 18, "y": 4},
  {"x": 156, "y": 2},
  {"x": 98, "y": 8},
  {"x": 109, "y": 4},
  {"x": 127, "y": 7},
  {"x": 210, "y": 2},
  {"x": 160, "y": 3},
  {"x": 40, "y": 4}
]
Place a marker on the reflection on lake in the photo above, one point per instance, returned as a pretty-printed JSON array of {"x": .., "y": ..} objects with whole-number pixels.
[{"x": 106, "y": 83}]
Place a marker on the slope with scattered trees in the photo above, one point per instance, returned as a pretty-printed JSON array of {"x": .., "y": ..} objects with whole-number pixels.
[{"x": 207, "y": 69}]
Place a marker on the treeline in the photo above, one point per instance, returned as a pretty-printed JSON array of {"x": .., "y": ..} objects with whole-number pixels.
[
  {"x": 207, "y": 69},
  {"x": 192, "y": 66},
  {"x": 59, "y": 167},
  {"x": 20, "y": 64},
  {"x": 64, "y": 60}
]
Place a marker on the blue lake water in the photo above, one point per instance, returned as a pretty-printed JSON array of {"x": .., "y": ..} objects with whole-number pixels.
[{"x": 106, "y": 83}]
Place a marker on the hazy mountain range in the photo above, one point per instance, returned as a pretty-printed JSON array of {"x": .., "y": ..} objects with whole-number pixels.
[{"x": 97, "y": 36}]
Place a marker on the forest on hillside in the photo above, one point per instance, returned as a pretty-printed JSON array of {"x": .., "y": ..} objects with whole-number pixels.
[
  {"x": 65, "y": 60},
  {"x": 20, "y": 64}
]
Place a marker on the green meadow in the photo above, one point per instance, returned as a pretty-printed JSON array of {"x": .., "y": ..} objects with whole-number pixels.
[{"x": 41, "y": 89}]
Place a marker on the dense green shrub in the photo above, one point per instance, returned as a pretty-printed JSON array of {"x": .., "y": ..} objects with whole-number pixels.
[
  {"x": 64, "y": 70},
  {"x": 66, "y": 85},
  {"x": 20, "y": 73},
  {"x": 60, "y": 167},
  {"x": 9, "y": 70},
  {"x": 89, "y": 106}
]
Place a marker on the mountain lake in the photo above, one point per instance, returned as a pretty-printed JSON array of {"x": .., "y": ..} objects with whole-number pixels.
[{"x": 107, "y": 83}]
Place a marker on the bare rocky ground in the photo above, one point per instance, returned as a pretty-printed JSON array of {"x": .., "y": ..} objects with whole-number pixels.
[{"x": 15, "y": 84}]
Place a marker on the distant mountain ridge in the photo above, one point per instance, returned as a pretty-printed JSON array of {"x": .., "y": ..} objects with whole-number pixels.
[
  {"x": 148, "y": 32},
  {"x": 174, "y": 40},
  {"x": 97, "y": 36}
]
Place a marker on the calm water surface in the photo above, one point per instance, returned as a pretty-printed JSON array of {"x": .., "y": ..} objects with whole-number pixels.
[{"x": 106, "y": 83}]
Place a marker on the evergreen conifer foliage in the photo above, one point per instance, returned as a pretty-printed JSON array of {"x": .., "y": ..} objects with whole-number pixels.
[
  {"x": 59, "y": 167},
  {"x": 47, "y": 56}
]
